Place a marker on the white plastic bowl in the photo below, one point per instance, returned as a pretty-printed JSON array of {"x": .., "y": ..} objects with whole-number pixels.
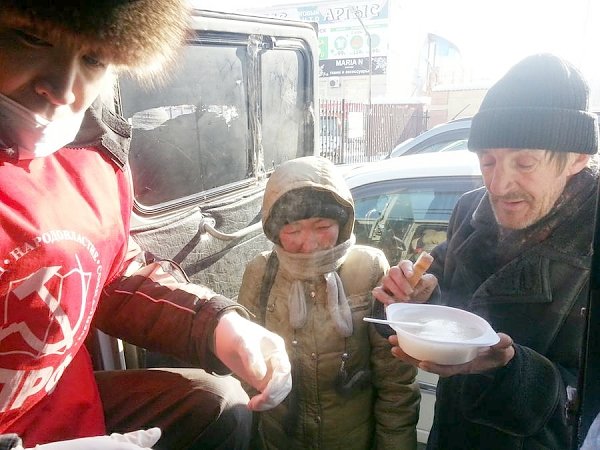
[{"x": 449, "y": 335}]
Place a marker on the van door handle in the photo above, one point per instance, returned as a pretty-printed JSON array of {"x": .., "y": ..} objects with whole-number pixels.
[{"x": 207, "y": 225}]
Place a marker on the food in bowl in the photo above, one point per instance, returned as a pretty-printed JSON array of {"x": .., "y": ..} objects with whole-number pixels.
[{"x": 444, "y": 335}]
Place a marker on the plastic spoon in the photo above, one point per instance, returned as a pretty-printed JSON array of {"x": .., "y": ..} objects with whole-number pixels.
[{"x": 391, "y": 322}]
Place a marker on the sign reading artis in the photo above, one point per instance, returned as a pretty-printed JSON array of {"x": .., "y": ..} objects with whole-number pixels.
[{"x": 343, "y": 43}]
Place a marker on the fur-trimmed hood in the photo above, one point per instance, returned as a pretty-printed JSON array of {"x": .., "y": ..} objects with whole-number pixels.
[{"x": 309, "y": 172}]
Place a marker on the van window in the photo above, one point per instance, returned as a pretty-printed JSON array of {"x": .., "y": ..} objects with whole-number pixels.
[
  {"x": 194, "y": 134},
  {"x": 284, "y": 95}
]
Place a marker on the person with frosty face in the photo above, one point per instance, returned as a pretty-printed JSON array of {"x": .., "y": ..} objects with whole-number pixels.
[{"x": 314, "y": 289}]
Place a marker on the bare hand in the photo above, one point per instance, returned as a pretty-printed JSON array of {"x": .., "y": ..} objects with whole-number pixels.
[
  {"x": 493, "y": 357},
  {"x": 395, "y": 286}
]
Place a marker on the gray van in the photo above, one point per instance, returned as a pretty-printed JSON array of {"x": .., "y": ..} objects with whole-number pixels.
[{"x": 239, "y": 101}]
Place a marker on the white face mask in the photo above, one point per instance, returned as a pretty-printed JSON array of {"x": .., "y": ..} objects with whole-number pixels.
[{"x": 31, "y": 135}]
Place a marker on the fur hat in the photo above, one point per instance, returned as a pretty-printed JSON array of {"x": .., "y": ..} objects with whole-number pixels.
[
  {"x": 541, "y": 103},
  {"x": 300, "y": 204},
  {"x": 139, "y": 36}
]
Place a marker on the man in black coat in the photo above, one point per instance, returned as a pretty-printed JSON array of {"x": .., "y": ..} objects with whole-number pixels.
[{"x": 518, "y": 253}]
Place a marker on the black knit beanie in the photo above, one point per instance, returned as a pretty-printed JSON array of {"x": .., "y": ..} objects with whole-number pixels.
[
  {"x": 300, "y": 204},
  {"x": 541, "y": 103}
]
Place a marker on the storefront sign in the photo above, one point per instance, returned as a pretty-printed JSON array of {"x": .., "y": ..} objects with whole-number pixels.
[{"x": 343, "y": 43}]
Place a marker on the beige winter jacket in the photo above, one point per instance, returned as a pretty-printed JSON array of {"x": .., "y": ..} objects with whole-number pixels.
[{"x": 381, "y": 415}]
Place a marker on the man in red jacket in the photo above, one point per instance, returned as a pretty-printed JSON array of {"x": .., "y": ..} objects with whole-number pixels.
[{"x": 67, "y": 262}]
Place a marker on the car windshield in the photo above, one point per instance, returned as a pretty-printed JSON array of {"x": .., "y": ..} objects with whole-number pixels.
[{"x": 461, "y": 144}]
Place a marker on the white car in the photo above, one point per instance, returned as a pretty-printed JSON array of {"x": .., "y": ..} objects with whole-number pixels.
[
  {"x": 402, "y": 207},
  {"x": 403, "y": 204},
  {"x": 449, "y": 136}
]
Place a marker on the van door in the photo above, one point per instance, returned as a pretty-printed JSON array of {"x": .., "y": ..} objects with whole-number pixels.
[{"x": 238, "y": 101}]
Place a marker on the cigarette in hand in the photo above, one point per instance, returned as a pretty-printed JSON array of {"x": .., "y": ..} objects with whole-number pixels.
[{"x": 423, "y": 263}]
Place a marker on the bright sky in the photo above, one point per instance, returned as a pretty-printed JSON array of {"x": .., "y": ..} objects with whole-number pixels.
[
  {"x": 496, "y": 34},
  {"x": 492, "y": 35}
]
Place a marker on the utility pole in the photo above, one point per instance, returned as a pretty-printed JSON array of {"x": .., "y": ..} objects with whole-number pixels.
[
  {"x": 370, "y": 54},
  {"x": 368, "y": 140}
]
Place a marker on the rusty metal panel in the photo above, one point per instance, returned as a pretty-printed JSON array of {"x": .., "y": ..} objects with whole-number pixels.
[{"x": 353, "y": 132}]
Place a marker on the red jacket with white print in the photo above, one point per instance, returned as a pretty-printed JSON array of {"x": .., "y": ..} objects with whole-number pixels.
[{"x": 64, "y": 252}]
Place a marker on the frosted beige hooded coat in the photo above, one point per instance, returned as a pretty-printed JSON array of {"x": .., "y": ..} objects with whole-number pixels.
[{"x": 382, "y": 415}]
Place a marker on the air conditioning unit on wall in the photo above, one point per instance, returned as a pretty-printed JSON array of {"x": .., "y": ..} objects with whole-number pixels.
[{"x": 334, "y": 82}]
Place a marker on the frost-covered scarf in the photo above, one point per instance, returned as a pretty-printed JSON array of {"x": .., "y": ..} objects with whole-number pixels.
[
  {"x": 507, "y": 244},
  {"x": 303, "y": 267}
]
